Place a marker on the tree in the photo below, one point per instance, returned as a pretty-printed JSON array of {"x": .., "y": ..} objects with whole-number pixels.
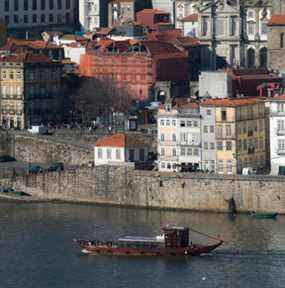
[{"x": 99, "y": 97}]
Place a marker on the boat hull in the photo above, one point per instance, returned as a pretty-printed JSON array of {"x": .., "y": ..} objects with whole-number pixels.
[{"x": 193, "y": 250}]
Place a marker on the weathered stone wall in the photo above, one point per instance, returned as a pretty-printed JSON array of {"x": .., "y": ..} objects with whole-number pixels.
[
  {"x": 276, "y": 53},
  {"x": 45, "y": 150},
  {"x": 127, "y": 187}
]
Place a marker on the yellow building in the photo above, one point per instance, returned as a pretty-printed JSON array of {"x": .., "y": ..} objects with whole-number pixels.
[{"x": 240, "y": 134}]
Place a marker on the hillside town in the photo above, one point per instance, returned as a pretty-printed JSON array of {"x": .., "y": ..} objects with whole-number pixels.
[{"x": 167, "y": 85}]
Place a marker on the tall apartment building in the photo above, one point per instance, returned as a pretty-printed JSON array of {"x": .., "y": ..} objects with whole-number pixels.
[
  {"x": 276, "y": 109},
  {"x": 30, "y": 90},
  {"x": 120, "y": 11},
  {"x": 93, "y": 14},
  {"x": 240, "y": 133},
  {"x": 26, "y": 14},
  {"x": 179, "y": 136}
]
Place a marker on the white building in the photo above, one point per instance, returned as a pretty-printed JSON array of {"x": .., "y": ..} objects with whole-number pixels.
[
  {"x": 276, "y": 107},
  {"x": 179, "y": 136},
  {"x": 22, "y": 14},
  {"x": 74, "y": 52},
  {"x": 120, "y": 149},
  {"x": 89, "y": 14}
]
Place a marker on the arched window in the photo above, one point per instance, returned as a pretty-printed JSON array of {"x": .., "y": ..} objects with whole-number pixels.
[
  {"x": 250, "y": 58},
  {"x": 263, "y": 57}
]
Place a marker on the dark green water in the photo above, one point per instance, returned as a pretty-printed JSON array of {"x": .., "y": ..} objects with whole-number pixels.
[{"x": 36, "y": 249}]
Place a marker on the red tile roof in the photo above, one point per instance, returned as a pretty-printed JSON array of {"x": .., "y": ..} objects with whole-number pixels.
[
  {"x": 153, "y": 11},
  {"x": 226, "y": 102},
  {"x": 116, "y": 140},
  {"x": 191, "y": 18},
  {"x": 26, "y": 58},
  {"x": 277, "y": 20}
]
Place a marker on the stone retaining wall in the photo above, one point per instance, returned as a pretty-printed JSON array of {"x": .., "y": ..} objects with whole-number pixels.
[{"x": 128, "y": 187}]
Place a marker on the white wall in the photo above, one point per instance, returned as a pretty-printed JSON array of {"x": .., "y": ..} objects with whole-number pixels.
[
  {"x": 74, "y": 53},
  {"x": 104, "y": 159}
]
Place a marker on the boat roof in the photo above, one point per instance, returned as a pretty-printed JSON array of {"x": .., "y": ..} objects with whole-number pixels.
[{"x": 139, "y": 239}]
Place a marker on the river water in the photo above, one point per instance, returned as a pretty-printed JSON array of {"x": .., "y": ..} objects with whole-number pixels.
[{"x": 37, "y": 251}]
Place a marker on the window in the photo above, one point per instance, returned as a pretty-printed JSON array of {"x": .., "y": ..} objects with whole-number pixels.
[
  {"x": 19, "y": 75},
  {"x": 224, "y": 115},
  {"x": 162, "y": 137},
  {"x": 228, "y": 130},
  {"x": 182, "y": 152},
  {"x": 281, "y": 40},
  {"x": 43, "y": 4},
  {"x": 167, "y": 122},
  {"x": 67, "y": 20},
  {"x": 205, "y": 25},
  {"x": 219, "y": 130},
  {"x": 189, "y": 123},
  {"x": 280, "y": 107},
  {"x": 7, "y": 19},
  {"x": 100, "y": 154},
  {"x": 182, "y": 123},
  {"x": 132, "y": 155},
  {"x": 195, "y": 123},
  {"x": 250, "y": 28},
  {"x": 205, "y": 129},
  {"x": 196, "y": 152},
  {"x": 141, "y": 154},
  {"x": 162, "y": 165},
  {"x": 206, "y": 146},
  {"x": 162, "y": 151},
  {"x": 6, "y": 6},
  {"x": 34, "y": 4},
  {"x": 11, "y": 75},
  {"x": 281, "y": 145},
  {"x": 35, "y": 18},
  {"x": 50, "y": 18},
  {"x": 212, "y": 130},
  {"x": 67, "y": 4},
  {"x": 229, "y": 145},
  {"x": 16, "y": 19},
  {"x": 173, "y": 122},
  {"x": 26, "y": 5},
  {"x": 16, "y": 5},
  {"x": 229, "y": 167},
  {"x": 220, "y": 166},
  {"x": 174, "y": 152},
  {"x": 59, "y": 4},
  {"x": 189, "y": 151},
  {"x": 209, "y": 112},
  {"x": 212, "y": 146},
  {"x": 183, "y": 137},
  {"x": 220, "y": 145},
  {"x": 233, "y": 25},
  {"x": 109, "y": 153},
  {"x": 118, "y": 154},
  {"x": 26, "y": 19},
  {"x": 51, "y": 4},
  {"x": 220, "y": 25},
  {"x": 244, "y": 144},
  {"x": 264, "y": 28},
  {"x": 161, "y": 122},
  {"x": 174, "y": 137},
  {"x": 43, "y": 18}
]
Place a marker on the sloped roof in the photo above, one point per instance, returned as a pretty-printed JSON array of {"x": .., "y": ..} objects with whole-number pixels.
[
  {"x": 153, "y": 11},
  {"x": 26, "y": 58},
  {"x": 226, "y": 102},
  {"x": 116, "y": 140},
  {"x": 277, "y": 20}
]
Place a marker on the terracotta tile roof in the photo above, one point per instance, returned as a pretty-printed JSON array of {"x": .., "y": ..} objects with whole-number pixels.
[
  {"x": 226, "y": 102},
  {"x": 26, "y": 58},
  {"x": 188, "y": 41},
  {"x": 13, "y": 43},
  {"x": 116, "y": 140},
  {"x": 277, "y": 20},
  {"x": 191, "y": 18},
  {"x": 159, "y": 47},
  {"x": 153, "y": 11}
]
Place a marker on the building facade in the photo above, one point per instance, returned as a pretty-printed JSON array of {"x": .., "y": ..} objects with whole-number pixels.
[
  {"x": 120, "y": 11},
  {"x": 24, "y": 14},
  {"x": 31, "y": 91},
  {"x": 92, "y": 14},
  {"x": 240, "y": 131},
  {"x": 276, "y": 43},
  {"x": 276, "y": 107},
  {"x": 119, "y": 149},
  {"x": 257, "y": 14},
  {"x": 179, "y": 136}
]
